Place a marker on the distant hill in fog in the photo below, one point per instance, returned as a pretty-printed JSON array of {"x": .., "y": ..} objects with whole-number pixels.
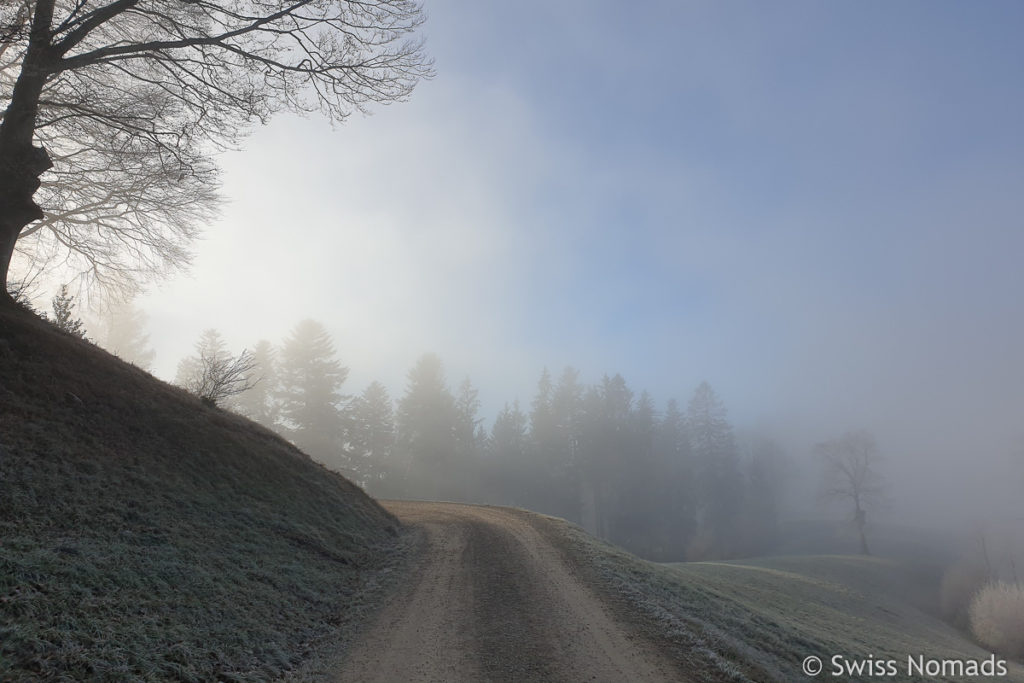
[{"x": 822, "y": 537}]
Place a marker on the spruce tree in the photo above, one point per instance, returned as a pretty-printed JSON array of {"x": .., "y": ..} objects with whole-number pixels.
[
  {"x": 309, "y": 394},
  {"x": 717, "y": 470},
  {"x": 467, "y": 405},
  {"x": 64, "y": 313},
  {"x": 427, "y": 426},
  {"x": 210, "y": 346},
  {"x": 372, "y": 436},
  {"x": 675, "y": 489},
  {"x": 123, "y": 333},
  {"x": 260, "y": 402}
]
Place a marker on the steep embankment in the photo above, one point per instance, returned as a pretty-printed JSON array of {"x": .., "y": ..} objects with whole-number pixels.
[{"x": 144, "y": 535}]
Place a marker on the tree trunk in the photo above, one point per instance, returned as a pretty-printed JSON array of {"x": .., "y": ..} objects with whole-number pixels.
[
  {"x": 861, "y": 521},
  {"x": 19, "y": 180},
  {"x": 21, "y": 163}
]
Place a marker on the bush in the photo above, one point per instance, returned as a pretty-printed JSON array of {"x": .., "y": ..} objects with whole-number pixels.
[
  {"x": 997, "y": 618},
  {"x": 960, "y": 584}
]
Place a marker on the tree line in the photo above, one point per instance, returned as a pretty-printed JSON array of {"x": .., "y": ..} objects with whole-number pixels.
[{"x": 669, "y": 484}]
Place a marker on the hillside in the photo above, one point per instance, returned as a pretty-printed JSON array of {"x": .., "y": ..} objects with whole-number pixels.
[
  {"x": 758, "y": 620},
  {"x": 144, "y": 535}
]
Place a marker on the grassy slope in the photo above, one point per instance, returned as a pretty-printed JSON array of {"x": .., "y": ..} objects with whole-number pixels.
[
  {"x": 758, "y": 620},
  {"x": 143, "y": 535}
]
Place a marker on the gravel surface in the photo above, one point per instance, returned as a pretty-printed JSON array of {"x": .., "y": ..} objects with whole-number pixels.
[{"x": 491, "y": 599}]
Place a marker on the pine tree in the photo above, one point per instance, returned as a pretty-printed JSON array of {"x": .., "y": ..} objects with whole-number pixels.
[
  {"x": 64, "y": 313},
  {"x": 372, "y": 435},
  {"x": 675, "y": 490},
  {"x": 605, "y": 440},
  {"x": 542, "y": 417},
  {"x": 717, "y": 471},
  {"x": 309, "y": 393},
  {"x": 508, "y": 440},
  {"x": 467, "y": 404},
  {"x": 123, "y": 333},
  {"x": 635, "y": 515},
  {"x": 427, "y": 427},
  {"x": 211, "y": 346},
  {"x": 260, "y": 403},
  {"x": 509, "y": 477},
  {"x": 764, "y": 468},
  {"x": 561, "y": 453}
]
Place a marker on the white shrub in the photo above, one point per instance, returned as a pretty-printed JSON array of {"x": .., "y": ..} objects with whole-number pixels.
[{"x": 997, "y": 618}]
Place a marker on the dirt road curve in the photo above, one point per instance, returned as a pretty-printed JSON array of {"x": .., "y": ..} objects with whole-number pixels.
[{"x": 493, "y": 600}]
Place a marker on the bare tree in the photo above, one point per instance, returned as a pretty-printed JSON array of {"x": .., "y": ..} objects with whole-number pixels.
[
  {"x": 851, "y": 473},
  {"x": 220, "y": 378},
  {"x": 213, "y": 374},
  {"x": 115, "y": 107}
]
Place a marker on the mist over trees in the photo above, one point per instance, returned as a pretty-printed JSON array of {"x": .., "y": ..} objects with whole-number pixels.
[
  {"x": 664, "y": 482},
  {"x": 661, "y": 482}
]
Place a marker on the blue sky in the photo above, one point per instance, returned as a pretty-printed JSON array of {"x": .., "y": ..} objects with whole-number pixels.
[{"x": 817, "y": 207}]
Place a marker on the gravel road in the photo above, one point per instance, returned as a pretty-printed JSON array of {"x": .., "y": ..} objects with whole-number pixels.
[{"x": 491, "y": 599}]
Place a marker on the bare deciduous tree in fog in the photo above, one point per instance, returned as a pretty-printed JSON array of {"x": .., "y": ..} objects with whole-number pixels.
[
  {"x": 220, "y": 378},
  {"x": 123, "y": 100},
  {"x": 213, "y": 374},
  {"x": 851, "y": 473}
]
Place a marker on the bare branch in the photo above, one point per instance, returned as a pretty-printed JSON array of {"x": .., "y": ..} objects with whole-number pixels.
[{"x": 138, "y": 93}]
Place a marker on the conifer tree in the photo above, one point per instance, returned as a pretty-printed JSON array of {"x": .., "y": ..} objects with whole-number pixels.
[
  {"x": 372, "y": 435},
  {"x": 717, "y": 470},
  {"x": 309, "y": 393},
  {"x": 604, "y": 440},
  {"x": 210, "y": 345},
  {"x": 561, "y": 452},
  {"x": 676, "y": 490},
  {"x": 427, "y": 426},
  {"x": 467, "y": 405},
  {"x": 63, "y": 304},
  {"x": 509, "y": 435},
  {"x": 260, "y": 402},
  {"x": 542, "y": 416},
  {"x": 122, "y": 331},
  {"x": 512, "y": 477}
]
